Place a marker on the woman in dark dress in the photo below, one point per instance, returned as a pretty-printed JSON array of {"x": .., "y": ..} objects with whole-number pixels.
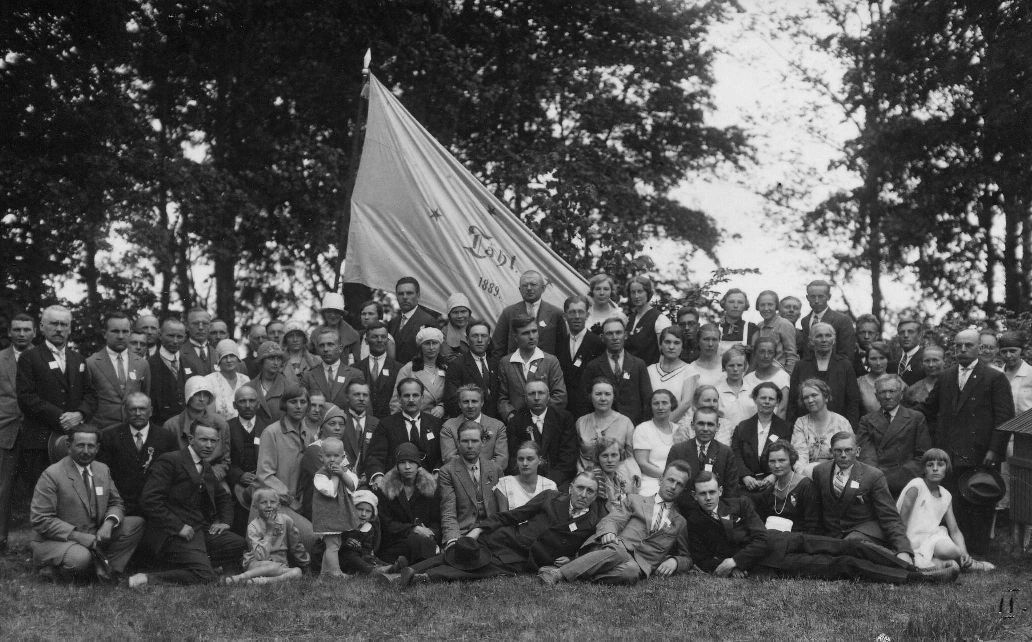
[
  {"x": 645, "y": 322},
  {"x": 783, "y": 504},
  {"x": 410, "y": 513}
]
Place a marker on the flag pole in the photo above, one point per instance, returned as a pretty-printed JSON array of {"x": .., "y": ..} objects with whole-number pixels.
[{"x": 357, "y": 138}]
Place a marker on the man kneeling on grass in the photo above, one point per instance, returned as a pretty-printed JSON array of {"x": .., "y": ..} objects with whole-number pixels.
[
  {"x": 727, "y": 538},
  {"x": 641, "y": 537}
]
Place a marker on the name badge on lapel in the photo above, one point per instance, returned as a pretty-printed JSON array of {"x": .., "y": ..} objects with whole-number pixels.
[
  {"x": 708, "y": 468},
  {"x": 441, "y": 373},
  {"x": 627, "y": 375},
  {"x": 577, "y": 363},
  {"x": 533, "y": 368},
  {"x": 99, "y": 490},
  {"x": 542, "y": 323},
  {"x": 854, "y": 484},
  {"x": 772, "y": 438},
  {"x": 257, "y": 441},
  {"x": 369, "y": 435},
  {"x": 54, "y": 365},
  {"x": 341, "y": 379},
  {"x": 573, "y": 525},
  {"x": 132, "y": 375},
  {"x": 429, "y": 436},
  {"x": 385, "y": 372},
  {"x": 188, "y": 371},
  {"x": 82, "y": 367}
]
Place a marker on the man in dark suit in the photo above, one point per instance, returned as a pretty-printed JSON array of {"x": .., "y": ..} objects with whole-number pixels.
[
  {"x": 129, "y": 449},
  {"x": 475, "y": 367},
  {"x": 527, "y": 363},
  {"x": 626, "y": 372},
  {"x": 188, "y": 515},
  {"x": 115, "y": 372},
  {"x": 379, "y": 370},
  {"x": 969, "y": 402},
  {"x": 167, "y": 372},
  {"x": 466, "y": 484},
  {"x": 149, "y": 326},
  {"x": 256, "y": 336},
  {"x": 911, "y": 362},
  {"x": 553, "y": 430},
  {"x": 704, "y": 453},
  {"x": 245, "y": 433},
  {"x": 411, "y": 318},
  {"x": 818, "y": 293},
  {"x": 824, "y": 363},
  {"x": 645, "y": 536},
  {"x": 893, "y": 438},
  {"x": 78, "y": 519},
  {"x": 21, "y": 333},
  {"x": 688, "y": 320},
  {"x": 576, "y": 349},
  {"x": 198, "y": 356},
  {"x": 548, "y": 529},
  {"x": 409, "y": 425},
  {"x": 359, "y": 427},
  {"x": 55, "y": 392},
  {"x": 547, "y": 318},
  {"x": 332, "y": 377},
  {"x": 727, "y": 538},
  {"x": 852, "y": 501}
]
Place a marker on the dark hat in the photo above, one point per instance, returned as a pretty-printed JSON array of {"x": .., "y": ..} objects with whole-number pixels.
[
  {"x": 1011, "y": 340},
  {"x": 467, "y": 554},
  {"x": 981, "y": 486},
  {"x": 408, "y": 452},
  {"x": 57, "y": 446}
]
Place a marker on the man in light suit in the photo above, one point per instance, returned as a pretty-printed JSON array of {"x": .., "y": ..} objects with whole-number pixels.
[
  {"x": 893, "y": 438},
  {"x": 495, "y": 446},
  {"x": 198, "y": 356},
  {"x": 332, "y": 377},
  {"x": 626, "y": 372},
  {"x": 78, "y": 519},
  {"x": 547, "y": 318},
  {"x": 55, "y": 392},
  {"x": 475, "y": 367},
  {"x": 411, "y": 318},
  {"x": 852, "y": 501},
  {"x": 645, "y": 536},
  {"x": 527, "y": 363},
  {"x": 410, "y": 425},
  {"x": 466, "y": 484},
  {"x": 116, "y": 372},
  {"x": 704, "y": 453},
  {"x": 379, "y": 370},
  {"x": 21, "y": 333},
  {"x": 818, "y": 293},
  {"x": 168, "y": 374},
  {"x": 552, "y": 429},
  {"x": 577, "y": 348},
  {"x": 964, "y": 409}
]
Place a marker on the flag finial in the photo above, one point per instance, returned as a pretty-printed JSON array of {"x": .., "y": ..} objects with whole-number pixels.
[{"x": 368, "y": 58}]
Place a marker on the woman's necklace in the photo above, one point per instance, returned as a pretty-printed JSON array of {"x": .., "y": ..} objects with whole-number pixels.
[
  {"x": 665, "y": 373},
  {"x": 784, "y": 500}
]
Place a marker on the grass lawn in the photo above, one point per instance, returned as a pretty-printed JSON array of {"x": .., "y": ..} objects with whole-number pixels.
[{"x": 689, "y": 606}]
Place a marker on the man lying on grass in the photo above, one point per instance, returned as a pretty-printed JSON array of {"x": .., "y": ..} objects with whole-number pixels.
[{"x": 727, "y": 538}]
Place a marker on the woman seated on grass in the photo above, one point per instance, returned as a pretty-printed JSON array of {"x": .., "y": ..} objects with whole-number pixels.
[
  {"x": 616, "y": 472},
  {"x": 514, "y": 491},
  {"x": 926, "y": 510}
]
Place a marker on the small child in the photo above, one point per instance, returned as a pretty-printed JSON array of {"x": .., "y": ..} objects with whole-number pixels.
[
  {"x": 333, "y": 512},
  {"x": 269, "y": 537},
  {"x": 358, "y": 553}
]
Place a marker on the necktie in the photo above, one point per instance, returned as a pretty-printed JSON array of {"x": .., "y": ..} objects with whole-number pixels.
[
  {"x": 121, "y": 370},
  {"x": 474, "y": 472},
  {"x": 483, "y": 367},
  {"x": 412, "y": 430},
  {"x": 203, "y": 352},
  {"x": 376, "y": 368},
  {"x": 404, "y": 320},
  {"x": 658, "y": 516},
  {"x": 92, "y": 502},
  {"x": 839, "y": 482},
  {"x": 138, "y": 437},
  {"x": 702, "y": 452},
  {"x": 965, "y": 373},
  {"x": 329, "y": 374},
  {"x": 616, "y": 368},
  {"x": 200, "y": 468},
  {"x": 60, "y": 357},
  {"x": 904, "y": 363},
  {"x": 888, "y": 416},
  {"x": 174, "y": 365}
]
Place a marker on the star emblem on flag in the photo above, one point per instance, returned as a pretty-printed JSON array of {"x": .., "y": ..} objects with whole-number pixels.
[
  {"x": 435, "y": 213},
  {"x": 491, "y": 210}
]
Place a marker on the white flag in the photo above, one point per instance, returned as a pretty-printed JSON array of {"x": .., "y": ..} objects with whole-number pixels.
[{"x": 416, "y": 211}]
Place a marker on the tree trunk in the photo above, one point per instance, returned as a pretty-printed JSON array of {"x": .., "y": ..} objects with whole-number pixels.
[
  {"x": 90, "y": 274},
  {"x": 1026, "y": 258},
  {"x": 1011, "y": 268},
  {"x": 225, "y": 286},
  {"x": 985, "y": 221}
]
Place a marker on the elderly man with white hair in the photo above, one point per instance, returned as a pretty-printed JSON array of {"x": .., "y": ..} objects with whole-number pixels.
[
  {"x": 830, "y": 366},
  {"x": 200, "y": 396}
]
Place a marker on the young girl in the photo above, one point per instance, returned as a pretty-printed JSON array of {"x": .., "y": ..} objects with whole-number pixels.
[
  {"x": 926, "y": 510},
  {"x": 333, "y": 511},
  {"x": 357, "y": 551},
  {"x": 269, "y": 537}
]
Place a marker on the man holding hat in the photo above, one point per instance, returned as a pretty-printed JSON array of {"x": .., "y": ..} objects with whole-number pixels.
[
  {"x": 199, "y": 396},
  {"x": 332, "y": 312}
]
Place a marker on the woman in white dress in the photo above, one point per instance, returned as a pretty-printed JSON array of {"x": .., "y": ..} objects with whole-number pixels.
[
  {"x": 767, "y": 369},
  {"x": 653, "y": 440},
  {"x": 812, "y": 433},
  {"x": 602, "y": 290},
  {"x": 226, "y": 380},
  {"x": 926, "y": 510},
  {"x": 670, "y": 372},
  {"x": 513, "y": 491}
]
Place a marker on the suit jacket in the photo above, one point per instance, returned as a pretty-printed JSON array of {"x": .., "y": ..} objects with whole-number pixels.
[
  {"x": 540, "y": 531},
  {"x": 894, "y": 448},
  {"x": 45, "y": 393},
  {"x": 550, "y": 321},
  {"x": 591, "y": 347},
  {"x": 459, "y": 498},
  {"x": 335, "y": 391},
  {"x": 356, "y": 443},
  {"x": 633, "y": 389},
  {"x": 630, "y": 522},
  {"x": 738, "y": 534},
  {"x": 176, "y": 494},
  {"x": 179, "y": 427},
  {"x": 558, "y": 442},
  {"x": 243, "y": 449},
  {"x": 191, "y": 358},
  {"x": 719, "y": 457},
  {"x": 845, "y": 333},
  {"x": 964, "y": 422},
  {"x": 845, "y": 393},
  {"x": 10, "y": 413},
  {"x": 865, "y": 506},
  {"x": 129, "y": 466},
  {"x": 110, "y": 394},
  {"x": 392, "y": 432},
  {"x": 512, "y": 384},
  {"x": 751, "y": 456},
  {"x": 61, "y": 504},
  {"x": 166, "y": 389},
  {"x": 381, "y": 390},
  {"x": 464, "y": 370},
  {"x": 496, "y": 445},
  {"x": 914, "y": 371},
  {"x": 405, "y": 338}
]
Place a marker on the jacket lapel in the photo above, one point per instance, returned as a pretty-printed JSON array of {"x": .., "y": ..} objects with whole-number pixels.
[
  {"x": 974, "y": 380},
  {"x": 76, "y": 480},
  {"x": 104, "y": 364},
  {"x": 465, "y": 480},
  {"x": 851, "y": 489}
]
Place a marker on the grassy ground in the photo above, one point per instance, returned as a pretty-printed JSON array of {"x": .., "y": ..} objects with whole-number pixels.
[{"x": 695, "y": 606}]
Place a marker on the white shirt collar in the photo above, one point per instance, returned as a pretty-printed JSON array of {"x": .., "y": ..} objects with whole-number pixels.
[
  {"x": 911, "y": 352},
  {"x": 516, "y": 358},
  {"x": 82, "y": 468},
  {"x": 195, "y": 456},
  {"x": 54, "y": 349},
  {"x": 166, "y": 355},
  {"x": 114, "y": 355},
  {"x": 142, "y": 431},
  {"x": 846, "y": 471}
]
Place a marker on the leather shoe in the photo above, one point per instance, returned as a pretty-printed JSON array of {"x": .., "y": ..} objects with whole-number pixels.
[
  {"x": 550, "y": 575},
  {"x": 937, "y": 575}
]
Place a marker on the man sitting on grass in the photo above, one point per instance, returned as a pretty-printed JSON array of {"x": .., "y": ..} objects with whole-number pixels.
[
  {"x": 727, "y": 538},
  {"x": 642, "y": 537}
]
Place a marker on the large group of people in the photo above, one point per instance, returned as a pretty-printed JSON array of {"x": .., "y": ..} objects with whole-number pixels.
[{"x": 598, "y": 442}]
